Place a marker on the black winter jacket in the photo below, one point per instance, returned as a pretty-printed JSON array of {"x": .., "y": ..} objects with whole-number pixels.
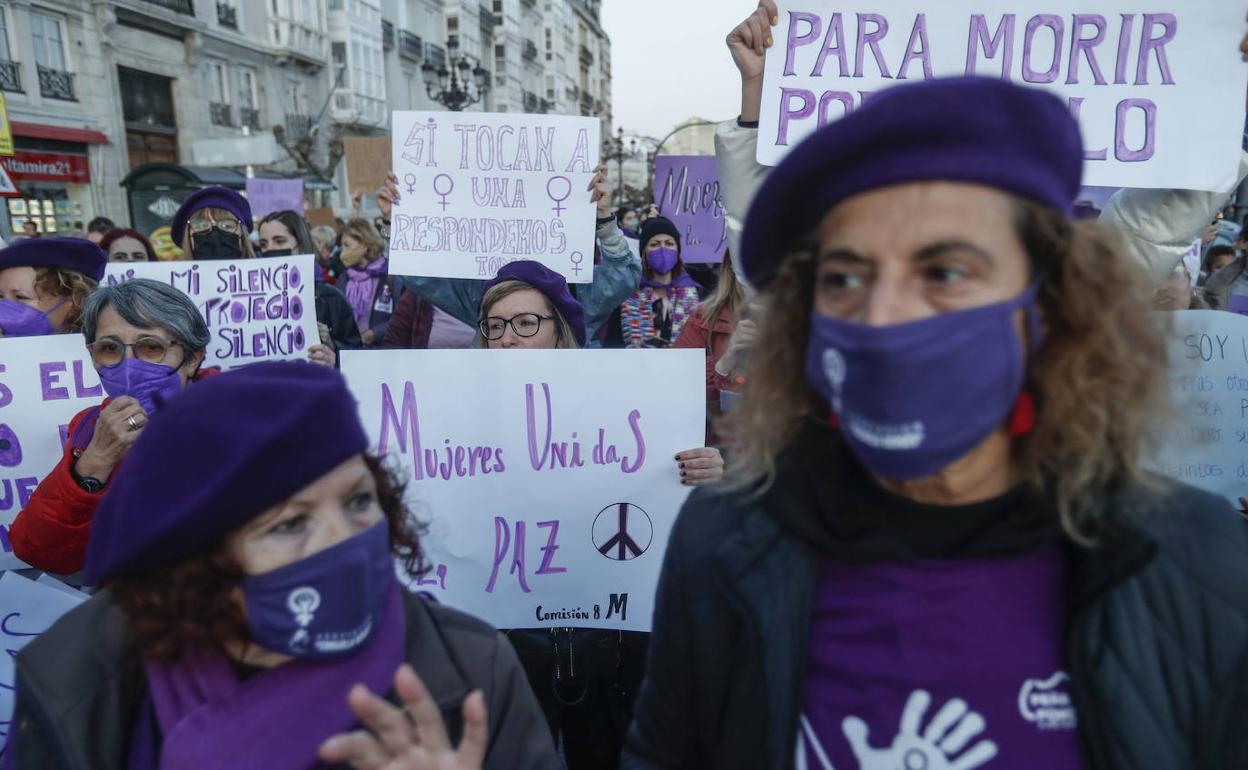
[
  {"x": 81, "y": 684},
  {"x": 1156, "y": 633},
  {"x": 333, "y": 310}
]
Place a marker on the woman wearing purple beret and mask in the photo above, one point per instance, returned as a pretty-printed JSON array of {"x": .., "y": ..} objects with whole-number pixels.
[
  {"x": 941, "y": 547},
  {"x": 147, "y": 342},
  {"x": 214, "y": 223},
  {"x": 668, "y": 297},
  {"x": 250, "y": 615},
  {"x": 44, "y": 283}
]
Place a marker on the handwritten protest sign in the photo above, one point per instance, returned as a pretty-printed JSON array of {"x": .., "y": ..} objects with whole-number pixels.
[
  {"x": 1132, "y": 75},
  {"x": 686, "y": 190},
  {"x": 547, "y": 476},
  {"x": 1207, "y": 445},
  {"x": 256, "y": 309},
  {"x": 478, "y": 190},
  {"x": 268, "y": 195},
  {"x": 27, "y": 609},
  {"x": 44, "y": 382},
  {"x": 368, "y": 162}
]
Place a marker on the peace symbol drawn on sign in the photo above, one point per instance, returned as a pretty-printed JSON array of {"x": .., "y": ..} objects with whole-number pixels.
[{"x": 622, "y": 531}]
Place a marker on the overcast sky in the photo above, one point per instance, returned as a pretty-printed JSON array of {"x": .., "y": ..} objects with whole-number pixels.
[{"x": 669, "y": 62}]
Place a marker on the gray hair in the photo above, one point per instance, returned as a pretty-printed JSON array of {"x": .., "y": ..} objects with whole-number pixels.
[{"x": 147, "y": 304}]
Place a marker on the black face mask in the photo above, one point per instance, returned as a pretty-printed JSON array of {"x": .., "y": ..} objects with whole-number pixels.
[
  {"x": 216, "y": 244},
  {"x": 279, "y": 253}
]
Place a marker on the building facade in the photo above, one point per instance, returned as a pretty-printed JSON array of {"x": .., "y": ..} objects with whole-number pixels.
[{"x": 96, "y": 89}]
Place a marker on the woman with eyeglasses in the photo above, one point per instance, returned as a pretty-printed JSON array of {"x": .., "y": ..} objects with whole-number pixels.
[
  {"x": 214, "y": 223},
  {"x": 44, "y": 284},
  {"x": 147, "y": 342},
  {"x": 584, "y": 679}
]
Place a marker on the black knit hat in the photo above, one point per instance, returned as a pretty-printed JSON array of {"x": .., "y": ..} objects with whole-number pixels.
[{"x": 658, "y": 226}]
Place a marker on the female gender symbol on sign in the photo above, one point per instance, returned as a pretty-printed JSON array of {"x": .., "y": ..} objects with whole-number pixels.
[
  {"x": 559, "y": 197},
  {"x": 577, "y": 258},
  {"x": 410, "y": 179},
  {"x": 622, "y": 532},
  {"x": 450, "y": 186}
]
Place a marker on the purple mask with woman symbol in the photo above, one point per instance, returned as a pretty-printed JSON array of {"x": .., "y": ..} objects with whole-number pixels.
[
  {"x": 912, "y": 398},
  {"x": 19, "y": 320},
  {"x": 324, "y": 606},
  {"x": 152, "y": 385}
]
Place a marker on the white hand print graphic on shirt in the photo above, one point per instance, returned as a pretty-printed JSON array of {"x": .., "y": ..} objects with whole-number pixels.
[{"x": 937, "y": 748}]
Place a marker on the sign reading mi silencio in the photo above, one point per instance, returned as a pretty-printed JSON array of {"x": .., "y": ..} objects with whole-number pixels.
[{"x": 1131, "y": 75}]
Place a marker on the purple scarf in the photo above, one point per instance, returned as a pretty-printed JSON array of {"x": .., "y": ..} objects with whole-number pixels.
[
  {"x": 277, "y": 719},
  {"x": 362, "y": 286}
]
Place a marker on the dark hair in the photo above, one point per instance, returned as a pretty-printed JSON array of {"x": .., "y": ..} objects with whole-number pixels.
[
  {"x": 102, "y": 225},
  {"x": 1221, "y": 250},
  {"x": 192, "y": 603},
  {"x": 117, "y": 233},
  {"x": 622, "y": 212},
  {"x": 297, "y": 226}
]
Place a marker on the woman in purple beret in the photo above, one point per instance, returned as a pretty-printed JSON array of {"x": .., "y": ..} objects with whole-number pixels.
[
  {"x": 44, "y": 283},
  {"x": 527, "y": 306},
  {"x": 147, "y": 341},
  {"x": 941, "y": 547},
  {"x": 251, "y": 617},
  {"x": 214, "y": 223}
]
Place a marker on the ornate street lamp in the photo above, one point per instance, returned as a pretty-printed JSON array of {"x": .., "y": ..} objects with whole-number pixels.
[
  {"x": 455, "y": 84},
  {"x": 616, "y": 149}
]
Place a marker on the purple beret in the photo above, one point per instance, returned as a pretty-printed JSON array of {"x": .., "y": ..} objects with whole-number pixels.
[
  {"x": 977, "y": 130},
  {"x": 211, "y": 197},
  {"x": 658, "y": 226},
  {"x": 77, "y": 254},
  {"x": 217, "y": 456},
  {"x": 549, "y": 283}
]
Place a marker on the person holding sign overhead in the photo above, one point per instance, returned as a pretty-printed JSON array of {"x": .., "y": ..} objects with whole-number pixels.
[
  {"x": 147, "y": 342},
  {"x": 45, "y": 283},
  {"x": 250, "y": 615},
  {"x": 656, "y": 314},
  {"x": 942, "y": 547},
  {"x": 614, "y": 279}
]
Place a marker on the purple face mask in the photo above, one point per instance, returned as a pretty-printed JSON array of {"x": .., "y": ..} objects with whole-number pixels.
[
  {"x": 914, "y": 397},
  {"x": 662, "y": 260},
  {"x": 152, "y": 385},
  {"x": 18, "y": 320},
  {"x": 326, "y": 605}
]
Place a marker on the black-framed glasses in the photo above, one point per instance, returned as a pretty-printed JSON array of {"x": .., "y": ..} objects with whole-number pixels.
[
  {"x": 110, "y": 351},
  {"x": 524, "y": 325}
]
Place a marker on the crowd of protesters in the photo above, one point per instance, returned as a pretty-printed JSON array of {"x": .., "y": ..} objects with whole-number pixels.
[{"x": 922, "y": 498}]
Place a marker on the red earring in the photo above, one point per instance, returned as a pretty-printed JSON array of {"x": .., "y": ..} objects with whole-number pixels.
[{"x": 1023, "y": 417}]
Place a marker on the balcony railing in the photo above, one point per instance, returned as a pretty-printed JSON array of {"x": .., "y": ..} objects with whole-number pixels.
[
  {"x": 248, "y": 116},
  {"x": 10, "y": 76},
  {"x": 387, "y": 35},
  {"x": 298, "y": 126},
  {"x": 528, "y": 3},
  {"x": 220, "y": 114},
  {"x": 411, "y": 46},
  {"x": 587, "y": 56},
  {"x": 488, "y": 20},
  {"x": 178, "y": 6},
  {"x": 530, "y": 50},
  {"x": 531, "y": 102},
  {"x": 436, "y": 54},
  {"x": 55, "y": 84},
  {"x": 227, "y": 15}
]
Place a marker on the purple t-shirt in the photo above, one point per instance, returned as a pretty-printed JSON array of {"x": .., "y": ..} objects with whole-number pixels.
[{"x": 937, "y": 665}]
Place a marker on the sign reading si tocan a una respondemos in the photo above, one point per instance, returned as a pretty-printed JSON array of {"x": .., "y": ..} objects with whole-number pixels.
[{"x": 1131, "y": 73}]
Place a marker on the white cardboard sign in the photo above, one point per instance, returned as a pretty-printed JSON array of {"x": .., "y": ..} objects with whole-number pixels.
[
  {"x": 548, "y": 476},
  {"x": 256, "y": 309},
  {"x": 44, "y": 382},
  {"x": 1131, "y": 74},
  {"x": 1207, "y": 445},
  {"x": 478, "y": 190}
]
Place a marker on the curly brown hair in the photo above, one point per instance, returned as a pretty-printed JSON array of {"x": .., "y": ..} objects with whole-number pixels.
[
  {"x": 1098, "y": 378},
  {"x": 192, "y": 604},
  {"x": 70, "y": 284}
]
